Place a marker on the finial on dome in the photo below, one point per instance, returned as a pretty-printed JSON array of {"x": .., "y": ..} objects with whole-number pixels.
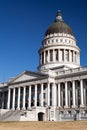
[{"x": 59, "y": 16}]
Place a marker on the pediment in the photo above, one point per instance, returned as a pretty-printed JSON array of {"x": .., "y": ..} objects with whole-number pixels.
[{"x": 27, "y": 75}]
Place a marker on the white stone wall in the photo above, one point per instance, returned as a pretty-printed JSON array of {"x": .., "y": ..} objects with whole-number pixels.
[{"x": 66, "y": 46}]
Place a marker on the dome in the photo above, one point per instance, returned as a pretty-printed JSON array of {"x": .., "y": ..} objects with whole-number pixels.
[{"x": 59, "y": 26}]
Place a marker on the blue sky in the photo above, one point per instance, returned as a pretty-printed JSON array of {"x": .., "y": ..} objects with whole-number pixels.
[{"x": 22, "y": 27}]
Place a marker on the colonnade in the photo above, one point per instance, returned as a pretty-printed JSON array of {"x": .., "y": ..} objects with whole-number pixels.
[
  {"x": 29, "y": 100},
  {"x": 72, "y": 95},
  {"x": 54, "y": 55},
  {"x": 78, "y": 95}
]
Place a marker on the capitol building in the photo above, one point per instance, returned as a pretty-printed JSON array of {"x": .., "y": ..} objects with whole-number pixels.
[{"x": 57, "y": 91}]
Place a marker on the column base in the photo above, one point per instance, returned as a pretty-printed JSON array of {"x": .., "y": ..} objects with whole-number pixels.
[
  {"x": 82, "y": 105},
  {"x": 23, "y": 108},
  {"x": 13, "y": 109},
  {"x": 29, "y": 108},
  {"x": 66, "y": 107},
  {"x": 58, "y": 107},
  {"x": 74, "y": 106},
  {"x": 17, "y": 108}
]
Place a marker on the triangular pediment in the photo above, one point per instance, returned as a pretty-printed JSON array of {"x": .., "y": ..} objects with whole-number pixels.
[{"x": 26, "y": 75}]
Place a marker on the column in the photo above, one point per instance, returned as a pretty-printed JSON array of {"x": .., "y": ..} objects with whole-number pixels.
[
  {"x": 29, "y": 102},
  {"x": 54, "y": 94},
  {"x": 81, "y": 91},
  {"x": 13, "y": 103},
  {"x": 9, "y": 93},
  {"x": 84, "y": 95},
  {"x": 36, "y": 95},
  {"x": 18, "y": 105},
  {"x": 76, "y": 93},
  {"x": 58, "y": 94},
  {"x": 66, "y": 95},
  {"x": 73, "y": 88},
  {"x": 48, "y": 93},
  {"x": 24, "y": 92},
  {"x": 41, "y": 94}
]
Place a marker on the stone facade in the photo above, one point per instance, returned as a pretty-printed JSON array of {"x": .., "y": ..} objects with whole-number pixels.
[{"x": 57, "y": 91}]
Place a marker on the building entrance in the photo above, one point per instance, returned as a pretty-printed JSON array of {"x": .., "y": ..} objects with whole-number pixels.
[{"x": 40, "y": 116}]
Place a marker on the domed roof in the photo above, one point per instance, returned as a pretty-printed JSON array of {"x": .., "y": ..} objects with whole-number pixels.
[{"x": 59, "y": 26}]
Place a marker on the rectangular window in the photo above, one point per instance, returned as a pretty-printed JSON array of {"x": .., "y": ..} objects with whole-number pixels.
[
  {"x": 56, "y": 53},
  {"x": 46, "y": 56},
  {"x": 51, "y": 55}
]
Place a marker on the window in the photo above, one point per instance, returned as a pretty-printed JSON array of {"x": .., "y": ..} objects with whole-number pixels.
[
  {"x": 56, "y": 53},
  {"x": 44, "y": 95},
  {"x": 46, "y": 56},
  {"x": 61, "y": 40},
  {"x": 69, "y": 41},
  {"x": 72, "y": 56},
  {"x": 48, "y": 41},
  {"x": 66, "y": 40},
  {"x": 51, "y": 55},
  {"x": 52, "y": 40},
  {"x": 62, "y": 55},
  {"x": 56, "y": 40},
  {"x": 75, "y": 57}
]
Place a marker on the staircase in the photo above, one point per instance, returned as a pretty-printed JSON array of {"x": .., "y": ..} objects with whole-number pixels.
[{"x": 12, "y": 115}]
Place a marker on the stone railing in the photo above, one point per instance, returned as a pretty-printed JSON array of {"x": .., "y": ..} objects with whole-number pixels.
[{"x": 80, "y": 69}]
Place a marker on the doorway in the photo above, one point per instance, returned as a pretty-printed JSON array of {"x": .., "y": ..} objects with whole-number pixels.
[{"x": 40, "y": 116}]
